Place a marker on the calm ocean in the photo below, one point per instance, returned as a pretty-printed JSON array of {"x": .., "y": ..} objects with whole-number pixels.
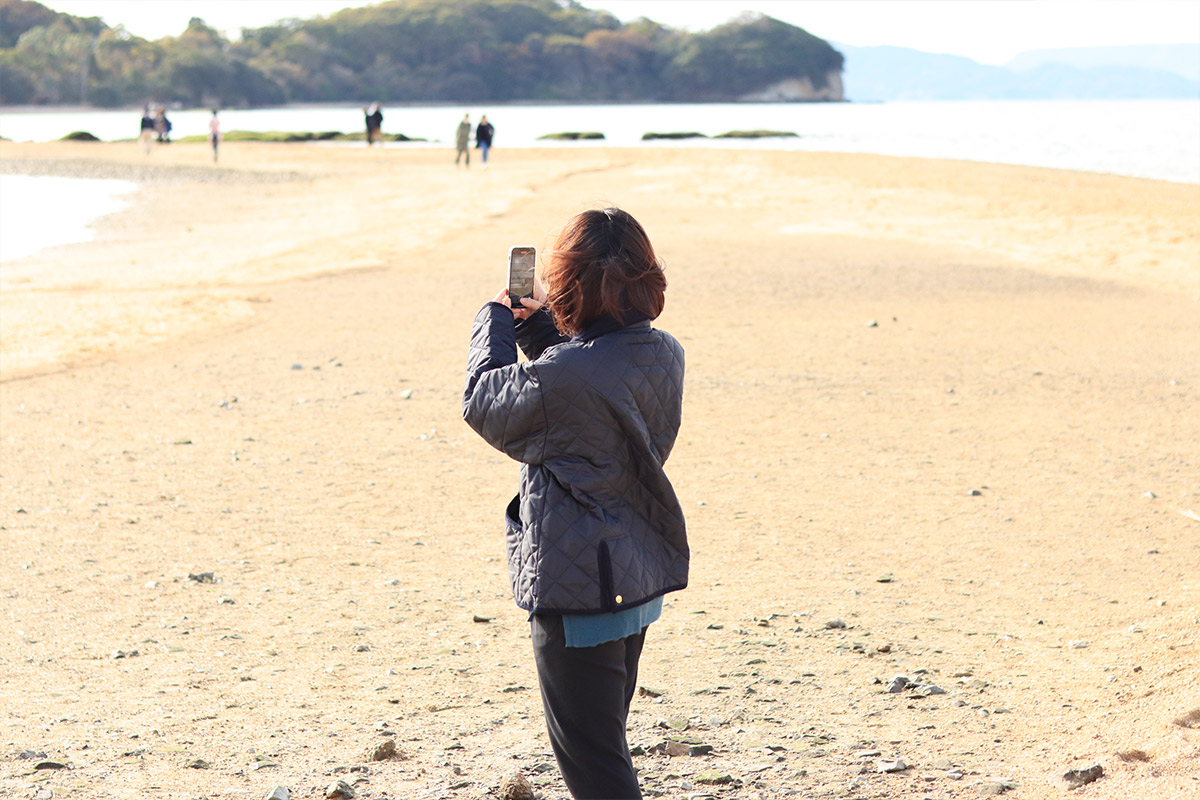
[
  {"x": 1144, "y": 138},
  {"x": 1157, "y": 139}
]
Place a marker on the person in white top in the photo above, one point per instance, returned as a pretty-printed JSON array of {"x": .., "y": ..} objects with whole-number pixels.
[{"x": 214, "y": 133}]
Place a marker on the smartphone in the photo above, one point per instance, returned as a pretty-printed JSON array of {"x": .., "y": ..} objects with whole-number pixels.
[{"x": 520, "y": 274}]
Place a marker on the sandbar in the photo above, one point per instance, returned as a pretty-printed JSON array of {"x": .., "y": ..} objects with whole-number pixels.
[{"x": 940, "y": 421}]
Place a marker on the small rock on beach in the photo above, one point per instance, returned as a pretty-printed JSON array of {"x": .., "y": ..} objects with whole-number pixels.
[
  {"x": 383, "y": 751},
  {"x": 1077, "y": 776},
  {"x": 516, "y": 787}
]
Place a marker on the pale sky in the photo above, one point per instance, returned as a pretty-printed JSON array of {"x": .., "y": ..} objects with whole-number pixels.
[{"x": 988, "y": 31}]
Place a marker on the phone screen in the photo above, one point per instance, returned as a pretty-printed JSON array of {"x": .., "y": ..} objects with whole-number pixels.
[{"x": 520, "y": 274}]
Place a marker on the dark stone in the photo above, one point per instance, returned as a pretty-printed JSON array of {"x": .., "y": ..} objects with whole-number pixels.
[
  {"x": 648, "y": 137},
  {"x": 571, "y": 136},
  {"x": 516, "y": 787},
  {"x": 383, "y": 751},
  {"x": 994, "y": 788},
  {"x": 1074, "y": 778}
]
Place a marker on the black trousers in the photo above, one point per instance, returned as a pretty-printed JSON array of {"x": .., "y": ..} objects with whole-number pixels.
[{"x": 586, "y": 692}]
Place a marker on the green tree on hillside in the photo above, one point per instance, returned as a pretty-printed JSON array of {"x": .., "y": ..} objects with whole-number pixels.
[
  {"x": 749, "y": 54},
  {"x": 18, "y": 16},
  {"x": 52, "y": 64},
  {"x": 403, "y": 51},
  {"x": 127, "y": 69}
]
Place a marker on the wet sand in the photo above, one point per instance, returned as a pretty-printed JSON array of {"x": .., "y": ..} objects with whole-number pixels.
[{"x": 951, "y": 406}]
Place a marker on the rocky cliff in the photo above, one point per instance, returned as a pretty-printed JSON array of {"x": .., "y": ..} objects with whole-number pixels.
[{"x": 800, "y": 90}]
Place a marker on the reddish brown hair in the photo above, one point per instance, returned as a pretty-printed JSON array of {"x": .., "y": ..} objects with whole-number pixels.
[{"x": 602, "y": 263}]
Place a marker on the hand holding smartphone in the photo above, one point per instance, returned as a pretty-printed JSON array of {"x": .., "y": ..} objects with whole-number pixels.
[{"x": 520, "y": 274}]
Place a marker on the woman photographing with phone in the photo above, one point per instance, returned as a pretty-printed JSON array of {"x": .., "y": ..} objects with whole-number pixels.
[{"x": 596, "y": 536}]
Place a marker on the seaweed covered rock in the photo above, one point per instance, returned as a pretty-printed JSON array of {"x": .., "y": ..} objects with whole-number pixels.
[
  {"x": 571, "y": 136},
  {"x": 756, "y": 135},
  {"x": 647, "y": 137}
]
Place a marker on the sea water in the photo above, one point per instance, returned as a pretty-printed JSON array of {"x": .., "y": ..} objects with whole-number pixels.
[
  {"x": 39, "y": 212},
  {"x": 1157, "y": 139}
]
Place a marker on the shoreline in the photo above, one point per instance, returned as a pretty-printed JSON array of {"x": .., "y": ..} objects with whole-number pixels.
[
  {"x": 252, "y": 173},
  {"x": 432, "y": 104},
  {"x": 74, "y": 167},
  {"x": 33, "y": 198},
  {"x": 1152, "y": 141}
]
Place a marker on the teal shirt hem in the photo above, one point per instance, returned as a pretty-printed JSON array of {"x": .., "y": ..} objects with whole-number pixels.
[{"x": 589, "y": 630}]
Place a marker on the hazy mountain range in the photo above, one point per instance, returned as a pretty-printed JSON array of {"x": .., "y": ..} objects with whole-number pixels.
[{"x": 900, "y": 73}]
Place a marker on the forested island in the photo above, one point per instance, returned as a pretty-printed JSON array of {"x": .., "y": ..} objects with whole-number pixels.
[{"x": 414, "y": 51}]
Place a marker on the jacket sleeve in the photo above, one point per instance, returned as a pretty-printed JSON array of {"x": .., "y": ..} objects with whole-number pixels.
[
  {"x": 503, "y": 399},
  {"x": 536, "y": 333}
]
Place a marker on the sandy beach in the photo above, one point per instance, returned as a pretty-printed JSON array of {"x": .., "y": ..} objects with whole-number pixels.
[{"x": 940, "y": 422}]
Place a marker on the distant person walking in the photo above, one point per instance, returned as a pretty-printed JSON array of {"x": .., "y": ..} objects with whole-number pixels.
[
  {"x": 162, "y": 125},
  {"x": 146, "y": 136},
  {"x": 374, "y": 119},
  {"x": 462, "y": 140},
  {"x": 214, "y": 133},
  {"x": 483, "y": 137}
]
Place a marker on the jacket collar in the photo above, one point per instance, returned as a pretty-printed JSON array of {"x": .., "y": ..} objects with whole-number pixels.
[{"x": 608, "y": 324}]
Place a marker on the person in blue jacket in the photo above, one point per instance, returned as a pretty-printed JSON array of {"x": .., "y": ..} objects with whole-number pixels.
[{"x": 596, "y": 536}]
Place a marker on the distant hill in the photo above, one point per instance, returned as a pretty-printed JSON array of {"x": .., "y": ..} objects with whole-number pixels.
[
  {"x": 413, "y": 51},
  {"x": 1181, "y": 59},
  {"x": 900, "y": 73}
]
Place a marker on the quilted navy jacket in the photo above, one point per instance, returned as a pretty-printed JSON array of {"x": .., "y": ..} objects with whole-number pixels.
[{"x": 596, "y": 526}]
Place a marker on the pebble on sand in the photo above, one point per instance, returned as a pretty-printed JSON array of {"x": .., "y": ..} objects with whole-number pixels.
[
  {"x": 714, "y": 778},
  {"x": 516, "y": 787},
  {"x": 993, "y": 788},
  {"x": 384, "y": 751},
  {"x": 1075, "y": 777}
]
